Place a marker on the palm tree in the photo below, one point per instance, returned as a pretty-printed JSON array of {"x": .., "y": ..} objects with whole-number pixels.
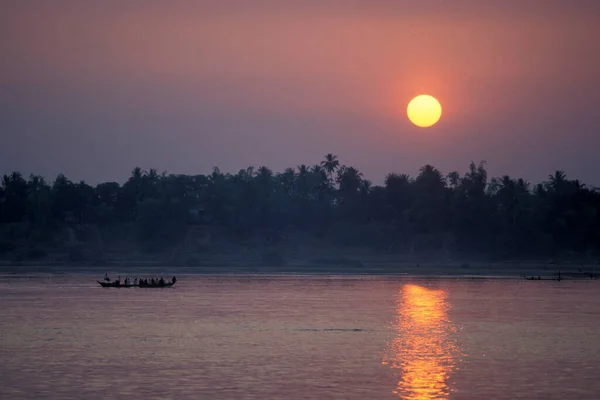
[
  {"x": 317, "y": 169},
  {"x": 349, "y": 179},
  {"x": 503, "y": 190},
  {"x": 136, "y": 174},
  {"x": 303, "y": 170},
  {"x": 136, "y": 181},
  {"x": 430, "y": 177},
  {"x": 38, "y": 197},
  {"x": 558, "y": 181},
  {"x": 429, "y": 205},
  {"x": 523, "y": 186},
  {"x": 152, "y": 175},
  {"x": 288, "y": 179},
  {"x": 331, "y": 164},
  {"x": 321, "y": 183},
  {"x": 474, "y": 183},
  {"x": 302, "y": 181},
  {"x": 398, "y": 192},
  {"x": 393, "y": 179},
  {"x": 264, "y": 173},
  {"x": 264, "y": 178}
]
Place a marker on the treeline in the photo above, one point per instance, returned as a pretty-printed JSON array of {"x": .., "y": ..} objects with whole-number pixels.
[{"x": 502, "y": 217}]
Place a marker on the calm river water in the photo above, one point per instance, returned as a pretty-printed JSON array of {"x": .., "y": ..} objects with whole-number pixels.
[{"x": 258, "y": 337}]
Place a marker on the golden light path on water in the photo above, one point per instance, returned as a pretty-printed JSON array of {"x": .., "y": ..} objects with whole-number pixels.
[{"x": 424, "y": 347}]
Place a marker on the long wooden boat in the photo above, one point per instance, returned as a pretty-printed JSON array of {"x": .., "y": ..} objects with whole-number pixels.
[
  {"x": 157, "y": 285},
  {"x": 122, "y": 285}
]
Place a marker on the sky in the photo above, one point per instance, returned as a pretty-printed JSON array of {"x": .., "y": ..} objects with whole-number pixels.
[{"x": 92, "y": 89}]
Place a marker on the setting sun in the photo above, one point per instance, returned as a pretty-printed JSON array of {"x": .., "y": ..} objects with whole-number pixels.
[{"x": 424, "y": 111}]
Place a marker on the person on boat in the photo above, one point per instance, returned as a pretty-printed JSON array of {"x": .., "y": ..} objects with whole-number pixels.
[
  {"x": 152, "y": 281},
  {"x": 174, "y": 280},
  {"x": 106, "y": 278},
  {"x": 135, "y": 281},
  {"x": 161, "y": 281}
]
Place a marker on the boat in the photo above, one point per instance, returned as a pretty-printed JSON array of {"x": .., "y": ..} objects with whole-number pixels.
[
  {"x": 541, "y": 278},
  {"x": 559, "y": 276},
  {"x": 123, "y": 285},
  {"x": 157, "y": 285},
  {"x": 114, "y": 284}
]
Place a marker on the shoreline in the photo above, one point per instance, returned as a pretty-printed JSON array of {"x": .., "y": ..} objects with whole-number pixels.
[{"x": 399, "y": 269}]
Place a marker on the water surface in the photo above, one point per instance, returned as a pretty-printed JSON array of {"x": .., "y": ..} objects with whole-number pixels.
[{"x": 259, "y": 337}]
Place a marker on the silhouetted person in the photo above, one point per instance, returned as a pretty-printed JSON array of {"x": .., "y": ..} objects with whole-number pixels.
[
  {"x": 174, "y": 280},
  {"x": 161, "y": 281},
  {"x": 106, "y": 278}
]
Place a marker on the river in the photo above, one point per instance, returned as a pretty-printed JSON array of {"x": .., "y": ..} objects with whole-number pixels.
[{"x": 299, "y": 337}]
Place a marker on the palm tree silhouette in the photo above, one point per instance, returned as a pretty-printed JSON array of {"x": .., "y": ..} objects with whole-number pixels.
[
  {"x": 331, "y": 164},
  {"x": 287, "y": 180},
  {"x": 557, "y": 182}
]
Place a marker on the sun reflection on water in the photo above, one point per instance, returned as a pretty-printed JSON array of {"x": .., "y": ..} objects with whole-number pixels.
[{"x": 424, "y": 346}]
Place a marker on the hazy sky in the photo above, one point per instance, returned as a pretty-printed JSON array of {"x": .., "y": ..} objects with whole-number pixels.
[{"x": 94, "y": 88}]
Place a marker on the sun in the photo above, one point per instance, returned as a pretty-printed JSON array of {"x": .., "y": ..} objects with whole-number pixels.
[{"x": 424, "y": 111}]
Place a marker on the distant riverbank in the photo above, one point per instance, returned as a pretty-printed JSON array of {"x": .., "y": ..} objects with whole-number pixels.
[{"x": 314, "y": 267}]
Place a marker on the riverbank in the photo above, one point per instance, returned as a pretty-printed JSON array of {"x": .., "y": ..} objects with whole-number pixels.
[
  {"x": 89, "y": 249},
  {"x": 309, "y": 267}
]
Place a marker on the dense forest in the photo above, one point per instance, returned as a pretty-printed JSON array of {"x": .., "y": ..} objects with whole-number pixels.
[{"x": 329, "y": 204}]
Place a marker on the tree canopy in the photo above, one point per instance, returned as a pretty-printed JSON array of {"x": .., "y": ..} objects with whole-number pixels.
[{"x": 504, "y": 217}]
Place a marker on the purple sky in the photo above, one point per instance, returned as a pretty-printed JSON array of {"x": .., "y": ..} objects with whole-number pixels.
[{"x": 95, "y": 88}]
